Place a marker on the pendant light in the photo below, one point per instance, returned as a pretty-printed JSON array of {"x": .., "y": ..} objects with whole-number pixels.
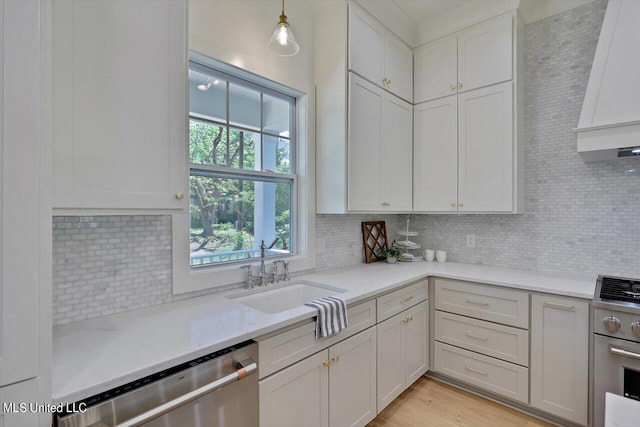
[{"x": 282, "y": 41}]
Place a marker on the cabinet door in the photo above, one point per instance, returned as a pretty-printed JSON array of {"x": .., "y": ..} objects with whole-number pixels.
[
  {"x": 485, "y": 54},
  {"x": 20, "y": 195},
  {"x": 352, "y": 378},
  {"x": 397, "y": 149},
  {"x": 391, "y": 361},
  {"x": 435, "y": 70},
  {"x": 120, "y": 104},
  {"x": 435, "y": 156},
  {"x": 559, "y": 356},
  {"x": 366, "y": 45},
  {"x": 298, "y": 395},
  {"x": 398, "y": 67},
  {"x": 416, "y": 339},
  {"x": 486, "y": 154},
  {"x": 23, "y": 392},
  {"x": 365, "y": 138}
]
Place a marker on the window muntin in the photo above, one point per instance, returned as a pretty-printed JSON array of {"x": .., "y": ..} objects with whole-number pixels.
[{"x": 242, "y": 168}]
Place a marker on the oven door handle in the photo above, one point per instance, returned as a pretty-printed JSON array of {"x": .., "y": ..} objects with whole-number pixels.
[
  {"x": 624, "y": 353},
  {"x": 248, "y": 367}
]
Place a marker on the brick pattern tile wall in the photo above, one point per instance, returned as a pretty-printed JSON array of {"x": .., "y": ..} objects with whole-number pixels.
[{"x": 108, "y": 264}]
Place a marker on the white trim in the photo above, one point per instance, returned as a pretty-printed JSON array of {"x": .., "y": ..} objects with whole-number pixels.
[{"x": 187, "y": 279}]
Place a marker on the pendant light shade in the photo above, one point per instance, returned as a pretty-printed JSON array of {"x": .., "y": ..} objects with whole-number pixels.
[{"x": 282, "y": 41}]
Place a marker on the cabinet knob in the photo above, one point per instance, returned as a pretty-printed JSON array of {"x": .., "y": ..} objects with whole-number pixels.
[
  {"x": 326, "y": 363},
  {"x": 335, "y": 359},
  {"x": 389, "y": 81},
  {"x": 453, "y": 204},
  {"x": 635, "y": 329},
  {"x": 179, "y": 195},
  {"x": 386, "y": 203},
  {"x": 452, "y": 87},
  {"x": 460, "y": 85},
  {"x": 384, "y": 82},
  {"x": 460, "y": 204}
]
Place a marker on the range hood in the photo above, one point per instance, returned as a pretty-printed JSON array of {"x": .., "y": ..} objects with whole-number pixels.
[{"x": 609, "y": 124}]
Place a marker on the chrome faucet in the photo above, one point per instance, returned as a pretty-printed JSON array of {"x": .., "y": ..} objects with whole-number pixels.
[{"x": 263, "y": 247}]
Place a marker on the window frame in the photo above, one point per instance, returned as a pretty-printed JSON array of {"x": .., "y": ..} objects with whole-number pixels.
[
  {"x": 255, "y": 175},
  {"x": 229, "y": 275}
]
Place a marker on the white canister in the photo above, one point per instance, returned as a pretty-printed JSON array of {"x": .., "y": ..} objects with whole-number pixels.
[
  {"x": 429, "y": 255},
  {"x": 441, "y": 256}
]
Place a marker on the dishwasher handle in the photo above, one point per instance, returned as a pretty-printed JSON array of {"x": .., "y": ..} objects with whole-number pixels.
[{"x": 248, "y": 367}]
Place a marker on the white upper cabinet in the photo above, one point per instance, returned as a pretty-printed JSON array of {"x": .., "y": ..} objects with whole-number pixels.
[
  {"x": 486, "y": 153},
  {"x": 435, "y": 156},
  {"x": 378, "y": 55},
  {"x": 474, "y": 58},
  {"x": 120, "y": 104},
  {"x": 379, "y": 149},
  {"x": 436, "y": 69},
  {"x": 485, "y": 54},
  {"x": 366, "y": 45},
  {"x": 398, "y": 66},
  {"x": 468, "y": 121}
]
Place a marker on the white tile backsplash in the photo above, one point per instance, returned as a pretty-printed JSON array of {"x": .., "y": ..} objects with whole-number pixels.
[{"x": 579, "y": 217}]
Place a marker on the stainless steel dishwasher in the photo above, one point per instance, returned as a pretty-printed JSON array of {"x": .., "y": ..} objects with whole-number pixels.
[{"x": 217, "y": 390}]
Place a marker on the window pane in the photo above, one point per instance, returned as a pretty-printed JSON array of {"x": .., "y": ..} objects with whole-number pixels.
[
  {"x": 207, "y": 143},
  {"x": 231, "y": 216},
  {"x": 207, "y": 96},
  {"x": 244, "y": 107},
  {"x": 276, "y": 116},
  {"x": 277, "y": 156},
  {"x": 242, "y": 148}
]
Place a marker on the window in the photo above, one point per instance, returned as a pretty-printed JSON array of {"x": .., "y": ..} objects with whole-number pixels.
[{"x": 242, "y": 168}]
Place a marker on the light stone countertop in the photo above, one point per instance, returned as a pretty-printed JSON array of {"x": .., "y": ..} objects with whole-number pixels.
[{"x": 92, "y": 356}]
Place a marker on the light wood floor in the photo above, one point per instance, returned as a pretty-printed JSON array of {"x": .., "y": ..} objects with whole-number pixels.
[{"x": 431, "y": 403}]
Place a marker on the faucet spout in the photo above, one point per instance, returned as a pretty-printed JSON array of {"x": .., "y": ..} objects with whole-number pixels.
[{"x": 263, "y": 248}]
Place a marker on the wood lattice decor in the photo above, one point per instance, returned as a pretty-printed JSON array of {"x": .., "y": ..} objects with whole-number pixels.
[{"x": 374, "y": 238}]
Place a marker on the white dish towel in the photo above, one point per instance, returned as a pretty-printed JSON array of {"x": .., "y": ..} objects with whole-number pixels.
[{"x": 332, "y": 316}]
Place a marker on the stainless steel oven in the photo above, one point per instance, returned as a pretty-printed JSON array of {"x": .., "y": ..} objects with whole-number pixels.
[
  {"x": 217, "y": 390},
  {"x": 616, "y": 342}
]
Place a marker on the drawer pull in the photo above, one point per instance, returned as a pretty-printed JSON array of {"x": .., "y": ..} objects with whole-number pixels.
[
  {"x": 470, "y": 301},
  {"x": 477, "y": 371},
  {"x": 402, "y": 301},
  {"x": 560, "y": 306},
  {"x": 467, "y": 334},
  {"x": 624, "y": 353}
]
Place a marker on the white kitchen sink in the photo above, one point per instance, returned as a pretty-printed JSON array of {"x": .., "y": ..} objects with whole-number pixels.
[{"x": 285, "y": 296}]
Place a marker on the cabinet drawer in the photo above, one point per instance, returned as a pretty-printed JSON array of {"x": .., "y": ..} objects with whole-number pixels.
[
  {"x": 483, "y": 302},
  {"x": 502, "y": 342},
  {"x": 491, "y": 374},
  {"x": 284, "y": 349},
  {"x": 397, "y": 301}
]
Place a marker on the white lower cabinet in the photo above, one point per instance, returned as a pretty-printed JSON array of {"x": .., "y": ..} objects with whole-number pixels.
[
  {"x": 506, "y": 379},
  {"x": 560, "y": 356},
  {"x": 402, "y": 352},
  {"x": 298, "y": 395},
  {"x": 352, "y": 380},
  {"x": 15, "y": 395},
  {"x": 335, "y": 387}
]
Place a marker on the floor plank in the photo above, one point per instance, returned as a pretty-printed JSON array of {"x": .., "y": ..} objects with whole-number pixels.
[{"x": 431, "y": 403}]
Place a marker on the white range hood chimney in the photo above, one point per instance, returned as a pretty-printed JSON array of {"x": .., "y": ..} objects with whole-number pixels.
[{"x": 609, "y": 124}]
